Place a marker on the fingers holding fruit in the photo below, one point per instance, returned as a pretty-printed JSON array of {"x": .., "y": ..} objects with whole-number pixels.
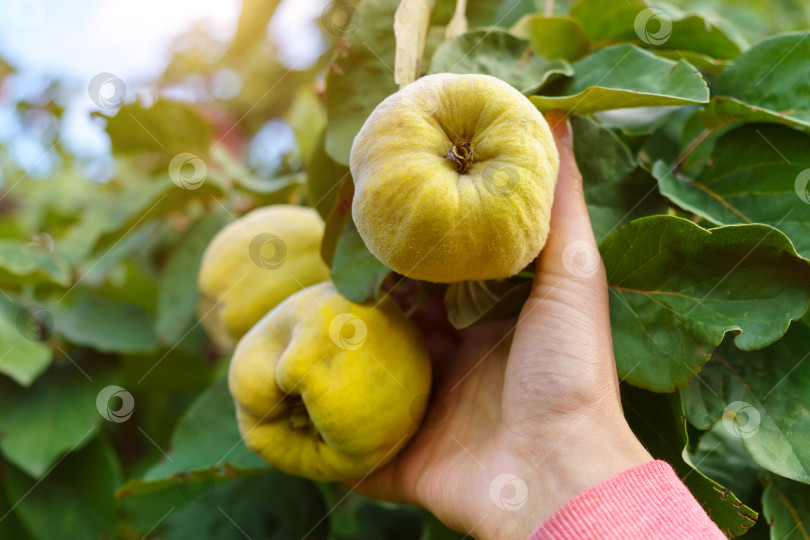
[{"x": 454, "y": 180}]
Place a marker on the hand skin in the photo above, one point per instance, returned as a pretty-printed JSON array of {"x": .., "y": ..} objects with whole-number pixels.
[{"x": 547, "y": 410}]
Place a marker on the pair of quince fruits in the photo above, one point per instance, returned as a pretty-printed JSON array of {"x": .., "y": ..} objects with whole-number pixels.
[{"x": 454, "y": 179}]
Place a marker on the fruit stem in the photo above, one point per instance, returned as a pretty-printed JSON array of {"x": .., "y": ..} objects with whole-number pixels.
[
  {"x": 461, "y": 154},
  {"x": 299, "y": 418}
]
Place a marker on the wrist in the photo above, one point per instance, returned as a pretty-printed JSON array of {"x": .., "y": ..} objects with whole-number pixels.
[{"x": 539, "y": 480}]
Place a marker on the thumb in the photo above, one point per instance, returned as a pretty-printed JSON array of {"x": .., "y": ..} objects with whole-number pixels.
[
  {"x": 571, "y": 248},
  {"x": 569, "y": 292}
]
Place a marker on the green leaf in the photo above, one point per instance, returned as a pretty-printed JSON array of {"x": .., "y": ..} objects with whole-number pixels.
[
  {"x": 722, "y": 457},
  {"x": 114, "y": 207},
  {"x": 61, "y": 195},
  {"x": 57, "y": 414},
  {"x": 25, "y": 263},
  {"x": 616, "y": 189},
  {"x": 167, "y": 126},
  {"x": 100, "y": 266},
  {"x": 473, "y": 302},
  {"x": 478, "y": 13},
  {"x": 436, "y": 530},
  {"x": 722, "y": 111},
  {"x": 360, "y": 76},
  {"x": 697, "y": 34},
  {"x": 678, "y": 288},
  {"x": 355, "y": 517},
  {"x": 554, "y": 37},
  {"x": 87, "y": 318},
  {"x": 132, "y": 283},
  {"x": 230, "y": 170},
  {"x": 206, "y": 447},
  {"x": 509, "y": 11},
  {"x": 500, "y": 54},
  {"x": 603, "y": 20},
  {"x": 10, "y": 524},
  {"x": 273, "y": 506},
  {"x": 178, "y": 294},
  {"x": 272, "y": 190},
  {"x": 625, "y": 76},
  {"x": 336, "y": 221},
  {"x": 704, "y": 63},
  {"x": 307, "y": 118},
  {"x": 754, "y": 177},
  {"x": 185, "y": 369},
  {"x": 98, "y": 320},
  {"x": 75, "y": 500},
  {"x": 122, "y": 210},
  {"x": 356, "y": 273},
  {"x": 786, "y": 505},
  {"x": 606, "y": 21},
  {"x": 658, "y": 420},
  {"x": 22, "y": 356},
  {"x": 325, "y": 175},
  {"x": 766, "y": 84},
  {"x": 681, "y": 140},
  {"x": 761, "y": 397},
  {"x": 630, "y": 125}
]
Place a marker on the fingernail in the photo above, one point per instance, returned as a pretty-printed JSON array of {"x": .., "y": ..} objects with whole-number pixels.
[{"x": 560, "y": 126}]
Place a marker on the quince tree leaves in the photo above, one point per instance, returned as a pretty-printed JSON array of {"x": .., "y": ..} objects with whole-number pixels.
[{"x": 702, "y": 215}]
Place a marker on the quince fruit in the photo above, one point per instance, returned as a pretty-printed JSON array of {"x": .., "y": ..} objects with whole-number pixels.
[
  {"x": 329, "y": 389},
  {"x": 256, "y": 262},
  {"x": 454, "y": 179}
]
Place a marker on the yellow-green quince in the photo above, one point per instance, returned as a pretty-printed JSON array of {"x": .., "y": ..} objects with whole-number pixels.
[
  {"x": 256, "y": 262},
  {"x": 329, "y": 389},
  {"x": 454, "y": 179}
]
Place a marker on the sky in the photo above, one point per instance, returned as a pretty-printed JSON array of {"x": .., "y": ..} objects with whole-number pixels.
[
  {"x": 74, "y": 40},
  {"x": 79, "y": 38}
]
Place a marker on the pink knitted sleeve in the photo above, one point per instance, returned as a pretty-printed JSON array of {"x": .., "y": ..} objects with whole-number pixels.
[{"x": 648, "y": 501}]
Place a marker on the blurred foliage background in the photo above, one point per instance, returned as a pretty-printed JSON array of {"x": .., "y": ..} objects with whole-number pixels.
[{"x": 99, "y": 255}]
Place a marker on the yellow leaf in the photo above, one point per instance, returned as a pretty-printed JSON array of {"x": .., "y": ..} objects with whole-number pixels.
[{"x": 410, "y": 30}]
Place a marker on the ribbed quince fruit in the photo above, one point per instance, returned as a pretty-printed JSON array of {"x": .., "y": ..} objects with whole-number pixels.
[
  {"x": 329, "y": 389},
  {"x": 256, "y": 262},
  {"x": 454, "y": 179}
]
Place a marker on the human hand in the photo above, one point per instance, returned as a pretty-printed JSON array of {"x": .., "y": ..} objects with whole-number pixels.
[{"x": 526, "y": 414}]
